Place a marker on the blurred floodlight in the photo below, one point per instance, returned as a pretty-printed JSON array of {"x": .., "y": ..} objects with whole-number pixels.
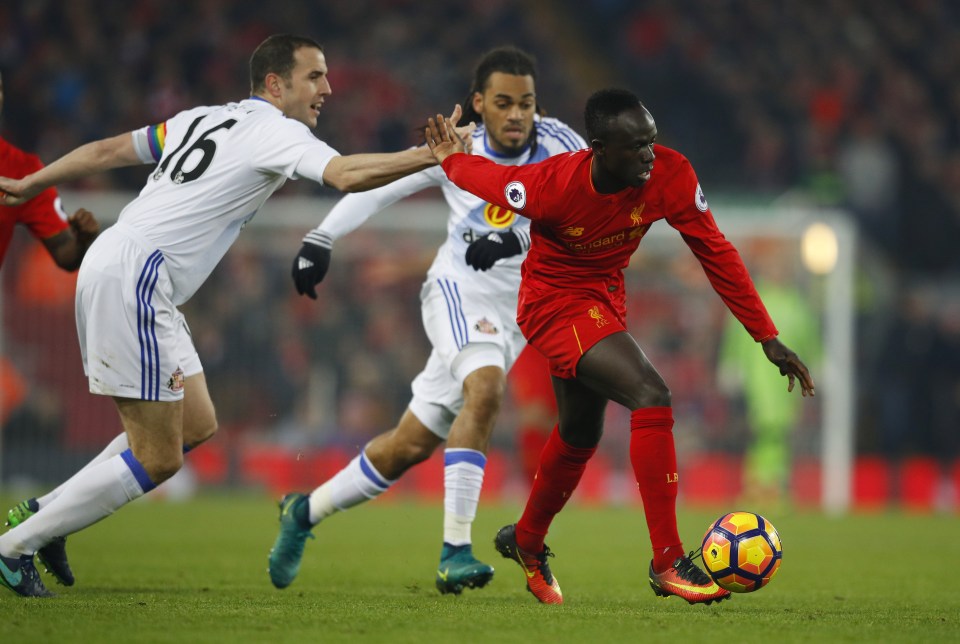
[{"x": 819, "y": 248}]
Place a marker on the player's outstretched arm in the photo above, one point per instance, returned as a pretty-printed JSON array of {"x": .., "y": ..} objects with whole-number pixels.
[
  {"x": 359, "y": 172},
  {"x": 88, "y": 159},
  {"x": 790, "y": 365}
]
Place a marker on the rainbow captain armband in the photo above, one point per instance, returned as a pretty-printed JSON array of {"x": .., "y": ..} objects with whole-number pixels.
[
  {"x": 148, "y": 142},
  {"x": 156, "y": 137}
]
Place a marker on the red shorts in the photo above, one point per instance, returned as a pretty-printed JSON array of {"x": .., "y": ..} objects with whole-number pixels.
[{"x": 563, "y": 326}]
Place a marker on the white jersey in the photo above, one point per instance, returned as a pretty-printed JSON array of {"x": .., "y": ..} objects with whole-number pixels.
[
  {"x": 470, "y": 217},
  {"x": 217, "y": 165}
]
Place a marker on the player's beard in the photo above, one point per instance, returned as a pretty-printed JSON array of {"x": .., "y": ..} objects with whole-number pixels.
[{"x": 511, "y": 148}]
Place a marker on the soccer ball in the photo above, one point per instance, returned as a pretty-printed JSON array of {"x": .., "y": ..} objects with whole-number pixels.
[{"x": 742, "y": 551}]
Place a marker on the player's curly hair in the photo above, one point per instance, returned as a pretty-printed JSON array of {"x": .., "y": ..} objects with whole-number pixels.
[
  {"x": 604, "y": 106},
  {"x": 506, "y": 60},
  {"x": 275, "y": 56}
]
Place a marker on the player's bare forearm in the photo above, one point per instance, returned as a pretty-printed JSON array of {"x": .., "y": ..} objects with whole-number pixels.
[
  {"x": 790, "y": 366},
  {"x": 359, "y": 172},
  {"x": 88, "y": 159}
]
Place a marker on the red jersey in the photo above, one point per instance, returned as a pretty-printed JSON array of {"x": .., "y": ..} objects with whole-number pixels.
[
  {"x": 42, "y": 214},
  {"x": 582, "y": 239}
]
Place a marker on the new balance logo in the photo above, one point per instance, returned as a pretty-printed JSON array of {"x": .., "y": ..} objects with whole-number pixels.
[{"x": 303, "y": 262}]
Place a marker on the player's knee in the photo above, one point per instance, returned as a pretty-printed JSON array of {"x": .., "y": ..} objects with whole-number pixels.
[
  {"x": 580, "y": 433},
  {"x": 394, "y": 453},
  {"x": 651, "y": 394},
  {"x": 199, "y": 430},
  {"x": 206, "y": 431},
  {"x": 413, "y": 453},
  {"x": 658, "y": 397},
  {"x": 483, "y": 391},
  {"x": 161, "y": 467}
]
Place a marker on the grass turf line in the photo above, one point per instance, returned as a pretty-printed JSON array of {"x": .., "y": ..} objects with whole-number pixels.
[{"x": 196, "y": 572}]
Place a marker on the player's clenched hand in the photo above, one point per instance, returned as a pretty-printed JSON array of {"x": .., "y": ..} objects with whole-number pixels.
[
  {"x": 790, "y": 366},
  {"x": 14, "y": 192},
  {"x": 84, "y": 225},
  {"x": 442, "y": 137},
  {"x": 311, "y": 263},
  {"x": 483, "y": 252}
]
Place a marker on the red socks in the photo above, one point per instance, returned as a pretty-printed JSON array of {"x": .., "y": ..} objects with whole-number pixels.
[
  {"x": 561, "y": 466},
  {"x": 654, "y": 462}
]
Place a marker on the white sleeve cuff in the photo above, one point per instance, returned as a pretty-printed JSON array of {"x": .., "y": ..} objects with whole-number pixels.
[
  {"x": 141, "y": 145},
  {"x": 314, "y": 161}
]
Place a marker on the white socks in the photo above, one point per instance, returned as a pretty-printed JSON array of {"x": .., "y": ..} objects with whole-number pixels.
[
  {"x": 92, "y": 494},
  {"x": 117, "y": 445},
  {"x": 463, "y": 479},
  {"x": 358, "y": 482}
]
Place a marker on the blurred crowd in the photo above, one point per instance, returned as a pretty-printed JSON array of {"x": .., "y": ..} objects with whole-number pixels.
[
  {"x": 84, "y": 69},
  {"x": 847, "y": 103},
  {"x": 855, "y": 101}
]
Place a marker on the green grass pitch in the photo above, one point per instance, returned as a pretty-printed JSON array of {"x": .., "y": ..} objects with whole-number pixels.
[{"x": 196, "y": 572}]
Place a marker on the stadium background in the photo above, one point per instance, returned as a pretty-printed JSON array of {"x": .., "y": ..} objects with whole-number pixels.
[{"x": 828, "y": 105}]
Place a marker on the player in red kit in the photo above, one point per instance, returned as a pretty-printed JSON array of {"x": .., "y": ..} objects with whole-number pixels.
[
  {"x": 66, "y": 238},
  {"x": 589, "y": 211}
]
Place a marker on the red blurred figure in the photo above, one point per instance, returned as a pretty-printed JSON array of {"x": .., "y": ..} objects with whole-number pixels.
[{"x": 536, "y": 405}]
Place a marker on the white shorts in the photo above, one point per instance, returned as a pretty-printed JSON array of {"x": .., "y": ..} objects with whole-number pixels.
[
  {"x": 468, "y": 330},
  {"x": 133, "y": 341}
]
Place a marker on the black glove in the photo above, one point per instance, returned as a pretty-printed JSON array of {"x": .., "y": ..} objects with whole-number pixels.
[
  {"x": 483, "y": 252},
  {"x": 311, "y": 263}
]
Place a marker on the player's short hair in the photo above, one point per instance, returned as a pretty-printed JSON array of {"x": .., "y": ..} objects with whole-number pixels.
[
  {"x": 506, "y": 60},
  {"x": 275, "y": 55},
  {"x": 603, "y": 107}
]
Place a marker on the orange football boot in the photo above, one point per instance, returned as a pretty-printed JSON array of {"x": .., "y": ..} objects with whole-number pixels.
[
  {"x": 540, "y": 581},
  {"x": 687, "y": 581}
]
